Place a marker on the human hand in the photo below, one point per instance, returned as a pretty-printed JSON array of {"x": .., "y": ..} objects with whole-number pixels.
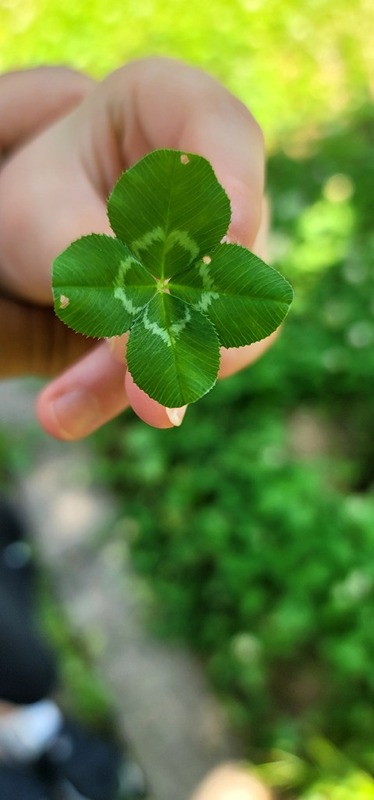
[
  {"x": 32, "y": 339},
  {"x": 53, "y": 189},
  {"x": 231, "y": 782}
]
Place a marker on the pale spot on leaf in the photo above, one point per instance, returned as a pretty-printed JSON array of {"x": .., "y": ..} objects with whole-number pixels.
[
  {"x": 207, "y": 260},
  {"x": 64, "y": 301},
  {"x": 185, "y": 159}
]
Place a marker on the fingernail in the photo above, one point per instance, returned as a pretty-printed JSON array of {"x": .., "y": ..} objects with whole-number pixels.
[
  {"x": 176, "y": 415},
  {"x": 116, "y": 345},
  {"x": 229, "y": 239},
  {"x": 76, "y": 413}
]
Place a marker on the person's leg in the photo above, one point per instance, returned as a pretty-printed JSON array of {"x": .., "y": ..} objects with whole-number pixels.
[
  {"x": 33, "y": 731},
  {"x": 27, "y": 670},
  {"x": 27, "y": 667}
]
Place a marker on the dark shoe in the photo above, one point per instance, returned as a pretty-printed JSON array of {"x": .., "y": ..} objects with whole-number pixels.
[
  {"x": 83, "y": 766},
  {"x": 16, "y": 566},
  {"x": 21, "y": 783},
  {"x": 27, "y": 667}
]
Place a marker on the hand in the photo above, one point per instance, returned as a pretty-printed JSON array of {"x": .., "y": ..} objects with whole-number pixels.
[
  {"x": 32, "y": 340},
  {"x": 231, "y": 782},
  {"x": 65, "y": 141}
]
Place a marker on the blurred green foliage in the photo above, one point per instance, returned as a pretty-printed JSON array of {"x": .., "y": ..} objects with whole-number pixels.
[
  {"x": 296, "y": 64},
  {"x": 254, "y": 522},
  {"x": 331, "y": 774},
  {"x": 82, "y": 691}
]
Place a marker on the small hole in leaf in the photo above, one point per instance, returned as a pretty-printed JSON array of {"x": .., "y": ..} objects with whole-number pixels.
[
  {"x": 185, "y": 159},
  {"x": 64, "y": 301},
  {"x": 207, "y": 260}
]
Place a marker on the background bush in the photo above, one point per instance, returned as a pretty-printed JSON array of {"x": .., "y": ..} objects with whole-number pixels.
[
  {"x": 296, "y": 64},
  {"x": 255, "y": 521}
]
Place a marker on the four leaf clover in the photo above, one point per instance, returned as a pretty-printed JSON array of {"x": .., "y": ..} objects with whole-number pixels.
[{"x": 167, "y": 278}]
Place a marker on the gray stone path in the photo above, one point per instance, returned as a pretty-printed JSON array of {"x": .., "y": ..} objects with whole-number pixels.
[{"x": 164, "y": 706}]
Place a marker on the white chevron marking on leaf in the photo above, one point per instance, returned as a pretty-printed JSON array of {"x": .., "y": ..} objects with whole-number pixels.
[
  {"x": 168, "y": 336},
  {"x": 124, "y": 267},
  {"x": 204, "y": 272},
  {"x": 206, "y": 300},
  {"x": 177, "y": 327},
  {"x": 184, "y": 240},
  {"x": 155, "y": 235},
  {"x": 176, "y": 237},
  {"x": 156, "y": 329},
  {"x": 120, "y": 292},
  {"x": 208, "y": 296}
]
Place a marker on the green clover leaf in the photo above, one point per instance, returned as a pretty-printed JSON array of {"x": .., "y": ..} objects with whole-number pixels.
[{"x": 167, "y": 279}]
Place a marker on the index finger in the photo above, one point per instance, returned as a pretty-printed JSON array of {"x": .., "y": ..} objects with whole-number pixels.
[{"x": 165, "y": 103}]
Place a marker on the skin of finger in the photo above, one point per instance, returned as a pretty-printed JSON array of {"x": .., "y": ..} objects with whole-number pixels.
[
  {"x": 98, "y": 374},
  {"x": 145, "y": 408},
  {"x": 231, "y": 782},
  {"x": 192, "y": 112},
  {"x": 32, "y": 99}
]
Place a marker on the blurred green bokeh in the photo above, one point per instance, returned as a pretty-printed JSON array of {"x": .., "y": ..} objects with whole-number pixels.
[{"x": 296, "y": 64}]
